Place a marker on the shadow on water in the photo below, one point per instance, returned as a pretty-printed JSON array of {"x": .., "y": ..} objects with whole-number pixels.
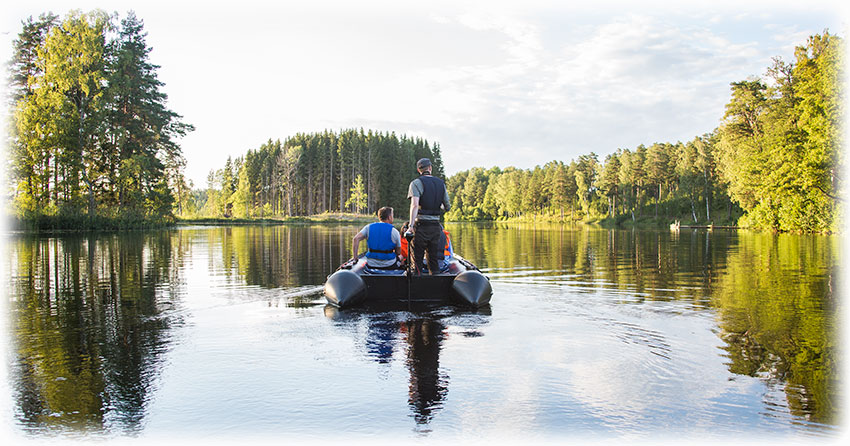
[{"x": 419, "y": 334}]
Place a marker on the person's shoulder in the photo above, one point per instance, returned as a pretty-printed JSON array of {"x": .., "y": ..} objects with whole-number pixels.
[{"x": 415, "y": 187}]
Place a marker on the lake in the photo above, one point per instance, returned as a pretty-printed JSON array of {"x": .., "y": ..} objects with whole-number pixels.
[{"x": 223, "y": 332}]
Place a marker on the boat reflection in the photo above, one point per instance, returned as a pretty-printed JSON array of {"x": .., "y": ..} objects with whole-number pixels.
[{"x": 417, "y": 336}]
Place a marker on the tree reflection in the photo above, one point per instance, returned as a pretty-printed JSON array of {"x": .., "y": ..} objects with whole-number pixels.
[
  {"x": 91, "y": 318},
  {"x": 774, "y": 293},
  {"x": 778, "y": 314},
  {"x": 279, "y": 255}
]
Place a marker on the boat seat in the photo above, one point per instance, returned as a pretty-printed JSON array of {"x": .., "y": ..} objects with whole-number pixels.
[{"x": 384, "y": 272}]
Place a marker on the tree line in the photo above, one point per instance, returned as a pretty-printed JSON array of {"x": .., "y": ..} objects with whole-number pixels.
[
  {"x": 352, "y": 170},
  {"x": 91, "y": 135},
  {"x": 627, "y": 184},
  {"x": 776, "y": 158},
  {"x": 90, "y": 132}
]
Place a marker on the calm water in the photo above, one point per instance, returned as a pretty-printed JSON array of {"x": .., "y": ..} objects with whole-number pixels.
[{"x": 211, "y": 332}]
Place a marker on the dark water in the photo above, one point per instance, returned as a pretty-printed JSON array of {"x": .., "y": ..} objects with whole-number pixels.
[{"x": 219, "y": 332}]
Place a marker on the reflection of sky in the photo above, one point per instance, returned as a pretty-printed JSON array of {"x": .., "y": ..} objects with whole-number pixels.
[
  {"x": 595, "y": 370},
  {"x": 619, "y": 371}
]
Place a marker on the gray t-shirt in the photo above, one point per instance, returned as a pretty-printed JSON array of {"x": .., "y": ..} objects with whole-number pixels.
[
  {"x": 416, "y": 189},
  {"x": 378, "y": 263}
]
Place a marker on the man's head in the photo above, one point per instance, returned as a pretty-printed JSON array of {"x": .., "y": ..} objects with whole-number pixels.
[
  {"x": 385, "y": 214},
  {"x": 423, "y": 165}
]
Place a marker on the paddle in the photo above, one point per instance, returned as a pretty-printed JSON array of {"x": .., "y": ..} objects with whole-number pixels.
[{"x": 409, "y": 237}]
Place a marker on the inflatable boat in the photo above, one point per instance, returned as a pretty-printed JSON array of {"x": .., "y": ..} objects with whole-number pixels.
[{"x": 459, "y": 282}]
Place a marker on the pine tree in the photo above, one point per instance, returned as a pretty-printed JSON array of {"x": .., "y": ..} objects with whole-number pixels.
[
  {"x": 358, "y": 198},
  {"x": 141, "y": 128}
]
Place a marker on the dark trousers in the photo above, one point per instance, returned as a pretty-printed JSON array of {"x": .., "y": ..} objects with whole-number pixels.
[{"x": 427, "y": 238}]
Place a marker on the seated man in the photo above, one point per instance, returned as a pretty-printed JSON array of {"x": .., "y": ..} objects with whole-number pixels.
[{"x": 383, "y": 242}]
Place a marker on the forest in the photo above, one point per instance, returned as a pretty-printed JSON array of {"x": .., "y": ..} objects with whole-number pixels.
[
  {"x": 91, "y": 136},
  {"x": 350, "y": 171}
]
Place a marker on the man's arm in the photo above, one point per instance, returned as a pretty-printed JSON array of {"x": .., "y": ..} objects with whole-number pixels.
[
  {"x": 414, "y": 211},
  {"x": 413, "y": 193},
  {"x": 357, "y": 239}
]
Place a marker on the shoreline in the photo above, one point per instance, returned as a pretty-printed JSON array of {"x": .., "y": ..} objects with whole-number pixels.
[{"x": 82, "y": 224}]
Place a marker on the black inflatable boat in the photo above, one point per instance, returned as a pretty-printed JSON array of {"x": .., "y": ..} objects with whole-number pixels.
[{"x": 459, "y": 283}]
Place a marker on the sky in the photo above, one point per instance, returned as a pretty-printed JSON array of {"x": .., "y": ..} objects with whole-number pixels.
[{"x": 495, "y": 83}]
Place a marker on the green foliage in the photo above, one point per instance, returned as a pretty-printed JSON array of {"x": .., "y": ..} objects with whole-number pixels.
[
  {"x": 309, "y": 174},
  {"x": 357, "y": 199},
  {"x": 683, "y": 175},
  {"x": 776, "y": 157},
  {"x": 91, "y": 132},
  {"x": 780, "y": 143}
]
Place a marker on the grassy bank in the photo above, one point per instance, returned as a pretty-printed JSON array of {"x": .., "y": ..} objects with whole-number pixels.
[
  {"x": 307, "y": 219},
  {"x": 84, "y": 223},
  {"x": 626, "y": 220},
  {"x": 650, "y": 222}
]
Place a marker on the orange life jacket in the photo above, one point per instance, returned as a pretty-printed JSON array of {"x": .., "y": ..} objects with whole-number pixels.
[
  {"x": 404, "y": 247},
  {"x": 447, "y": 252}
]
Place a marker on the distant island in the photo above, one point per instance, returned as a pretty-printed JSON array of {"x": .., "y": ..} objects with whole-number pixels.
[{"x": 94, "y": 146}]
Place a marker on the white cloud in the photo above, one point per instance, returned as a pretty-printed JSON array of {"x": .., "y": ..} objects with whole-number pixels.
[
  {"x": 631, "y": 74},
  {"x": 502, "y": 83}
]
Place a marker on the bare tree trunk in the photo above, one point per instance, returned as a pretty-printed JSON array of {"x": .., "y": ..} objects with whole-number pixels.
[
  {"x": 324, "y": 193},
  {"x": 309, "y": 192},
  {"x": 658, "y": 200},
  {"x": 341, "y": 194},
  {"x": 693, "y": 210}
]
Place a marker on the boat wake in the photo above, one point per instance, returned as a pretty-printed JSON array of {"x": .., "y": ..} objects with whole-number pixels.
[{"x": 307, "y": 290}]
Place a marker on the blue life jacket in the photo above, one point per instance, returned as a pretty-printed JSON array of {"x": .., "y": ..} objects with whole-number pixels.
[
  {"x": 434, "y": 190},
  {"x": 380, "y": 242}
]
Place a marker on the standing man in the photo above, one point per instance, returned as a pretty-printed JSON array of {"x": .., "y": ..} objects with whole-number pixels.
[
  {"x": 428, "y": 200},
  {"x": 383, "y": 241}
]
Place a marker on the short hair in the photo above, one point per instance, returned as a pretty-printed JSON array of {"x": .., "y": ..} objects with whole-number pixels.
[{"x": 384, "y": 213}]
